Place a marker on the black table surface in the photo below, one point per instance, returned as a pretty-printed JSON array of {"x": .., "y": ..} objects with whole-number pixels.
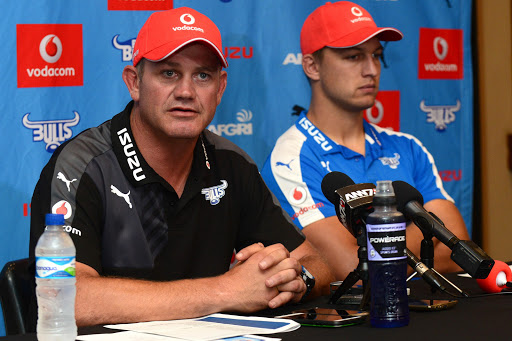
[{"x": 473, "y": 318}]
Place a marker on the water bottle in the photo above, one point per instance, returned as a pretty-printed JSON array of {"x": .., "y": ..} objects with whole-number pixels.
[
  {"x": 387, "y": 260},
  {"x": 55, "y": 282}
]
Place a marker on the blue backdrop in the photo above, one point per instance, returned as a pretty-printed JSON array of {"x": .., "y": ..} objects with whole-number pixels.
[{"x": 62, "y": 70}]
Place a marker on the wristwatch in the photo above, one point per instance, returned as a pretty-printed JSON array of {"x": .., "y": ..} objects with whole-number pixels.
[{"x": 309, "y": 280}]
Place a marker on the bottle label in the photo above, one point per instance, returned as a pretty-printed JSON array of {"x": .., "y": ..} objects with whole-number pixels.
[
  {"x": 55, "y": 267},
  {"x": 386, "y": 242}
]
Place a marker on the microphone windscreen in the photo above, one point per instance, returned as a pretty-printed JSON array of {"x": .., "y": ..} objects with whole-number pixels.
[
  {"x": 405, "y": 193},
  {"x": 494, "y": 282},
  {"x": 331, "y": 182}
]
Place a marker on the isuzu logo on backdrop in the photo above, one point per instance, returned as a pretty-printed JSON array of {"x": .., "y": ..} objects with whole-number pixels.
[
  {"x": 440, "y": 54},
  {"x": 49, "y": 55}
]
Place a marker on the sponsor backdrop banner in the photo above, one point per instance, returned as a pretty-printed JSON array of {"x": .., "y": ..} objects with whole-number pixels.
[{"x": 63, "y": 75}]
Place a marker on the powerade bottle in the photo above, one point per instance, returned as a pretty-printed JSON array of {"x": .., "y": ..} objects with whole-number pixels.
[
  {"x": 55, "y": 282},
  {"x": 387, "y": 260}
]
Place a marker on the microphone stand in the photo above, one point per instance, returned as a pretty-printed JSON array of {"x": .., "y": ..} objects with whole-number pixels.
[
  {"x": 359, "y": 273},
  {"x": 427, "y": 257}
]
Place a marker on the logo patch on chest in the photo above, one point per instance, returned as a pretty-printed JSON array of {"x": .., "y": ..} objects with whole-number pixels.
[
  {"x": 392, "y": 162},
  {"x": 215, "y": 193}
]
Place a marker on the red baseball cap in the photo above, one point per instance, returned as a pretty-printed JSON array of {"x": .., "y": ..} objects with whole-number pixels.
[
  {"x": 341, "y": 24},
  {"x": 166, "y": 32}
]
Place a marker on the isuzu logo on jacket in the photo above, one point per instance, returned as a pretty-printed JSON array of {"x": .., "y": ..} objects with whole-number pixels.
[{"x": 131, "y": 155}]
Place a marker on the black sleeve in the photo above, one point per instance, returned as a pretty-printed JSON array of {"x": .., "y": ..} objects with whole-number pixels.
[{"x": 263, "y": 219}]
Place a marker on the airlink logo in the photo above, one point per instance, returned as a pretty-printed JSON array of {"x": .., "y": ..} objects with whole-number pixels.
[
  {"x": 131, "y": 156},
  {"x": 51, "y": 132},
  {"x": 49, "y": 55},
  {"x": 231, "y": 129}
]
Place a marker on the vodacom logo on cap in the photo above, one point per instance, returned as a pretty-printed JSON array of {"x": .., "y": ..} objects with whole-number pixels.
[
  {"x": 187, "y": 19},
  {"x": 356, "y": 11},
  {"x": 50, "y": 48}
]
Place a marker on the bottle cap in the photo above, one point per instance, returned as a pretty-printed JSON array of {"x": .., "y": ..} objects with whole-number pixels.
[
  {"x": 384, "y": 189},
  {"x": 54, "y": 219}
]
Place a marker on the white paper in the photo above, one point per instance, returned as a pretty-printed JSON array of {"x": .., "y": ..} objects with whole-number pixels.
[
  {"x": 135, "y": 336},
  {"x": 211, "y": 327}
]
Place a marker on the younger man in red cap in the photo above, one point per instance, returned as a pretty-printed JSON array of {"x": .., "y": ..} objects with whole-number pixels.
[
  {"x": 341, "y": 55},
  {"x": 158, "y": 203}
]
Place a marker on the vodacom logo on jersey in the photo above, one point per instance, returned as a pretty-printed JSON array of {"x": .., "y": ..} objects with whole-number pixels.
[{"x": 49, "y": 55}]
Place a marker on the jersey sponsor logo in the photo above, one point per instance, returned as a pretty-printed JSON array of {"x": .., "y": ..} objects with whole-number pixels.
[
  {"x": 139, "y": 5},
  {"x": 62, "y": 177},
  {"x": 440, "y": 115},
  {"x": 440, "y": 54},
  {"x": 392, "y": 162},
  {"x": 315, "y": 133},
  {"x": 120, "y": 194},
  {"x": 283, "y": 164},
  {"x": 230, "y": 129},
  {"x": 386, "y": 111},
  {"x": 131, "y": 155},
  {"x": 297, "y": 195},
  {"x": 62, "y": 207},
  {"x": 293, "y": 58},
  {"x": 49, "y": 55},
  {"x": 52, "y": 132},
  {"x": 126, "y": 47},
  {"x": 304, "y": 210},
  {"x": 215, "y": 193}
]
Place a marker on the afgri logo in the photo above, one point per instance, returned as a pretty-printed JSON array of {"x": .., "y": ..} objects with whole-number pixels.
[
  {"x": 139, "y": 5},
  {"x": 440, "y": 54},
  {"x": 386, "y": 111},
  {"x": 49, "y": 55}
]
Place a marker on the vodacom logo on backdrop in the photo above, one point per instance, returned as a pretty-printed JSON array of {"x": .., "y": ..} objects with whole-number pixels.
[
  {"x": 440, "y": 54},
  {"x": 139, "y": 5},
  {"x": 386, "y": 111},
  {"x": 49, "y": 55}
]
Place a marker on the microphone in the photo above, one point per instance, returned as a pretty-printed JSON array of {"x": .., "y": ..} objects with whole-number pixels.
[
  {"x": 465, "y": 253},
  {"x": 352, "y": 202},
  {"x": 499, "y": 278},
  {"x": 424, "y": 271}
]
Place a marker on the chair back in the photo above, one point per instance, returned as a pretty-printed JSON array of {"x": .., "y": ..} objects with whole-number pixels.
[{"x": 18, "y": 296}]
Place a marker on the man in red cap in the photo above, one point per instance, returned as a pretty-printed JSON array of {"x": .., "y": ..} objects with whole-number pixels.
[
  {"x": 341, "y": 56},
  {"x": 156, "y": 203}
]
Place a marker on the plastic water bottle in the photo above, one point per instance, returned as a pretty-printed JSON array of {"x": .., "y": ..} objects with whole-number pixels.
[
  {"x": 387, "y": 260},
  {"x": 55, "y": 282}
]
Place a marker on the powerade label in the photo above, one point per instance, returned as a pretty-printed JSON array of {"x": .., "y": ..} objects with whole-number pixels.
[
  {"x": 386, "y": 242},
  {"x": 55, "y": 267}
]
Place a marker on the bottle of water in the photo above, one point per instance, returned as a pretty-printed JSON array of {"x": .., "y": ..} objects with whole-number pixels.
[
  {"x": 387, "y": 260},
  {"x": 55, "y": 282}
]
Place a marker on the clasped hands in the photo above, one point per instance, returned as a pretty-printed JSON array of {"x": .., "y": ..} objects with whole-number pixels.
[{"x": 266, "y": 277}]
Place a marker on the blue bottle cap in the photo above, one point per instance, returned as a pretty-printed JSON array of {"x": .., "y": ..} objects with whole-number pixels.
[{"x": 54, "y": 219}]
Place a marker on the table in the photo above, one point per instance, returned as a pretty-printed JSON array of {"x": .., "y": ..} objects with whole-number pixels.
[{"x": 474, "y": 318}]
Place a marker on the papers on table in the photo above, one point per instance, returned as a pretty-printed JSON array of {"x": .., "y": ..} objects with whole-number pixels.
[{"x": 211, "y": 327}]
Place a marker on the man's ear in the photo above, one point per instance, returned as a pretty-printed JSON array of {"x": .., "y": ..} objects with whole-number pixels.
[
  {"x": 310, "y": 67},
  {"x": 131, "y": 79},
  {"x": 222, "y": 86}
]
